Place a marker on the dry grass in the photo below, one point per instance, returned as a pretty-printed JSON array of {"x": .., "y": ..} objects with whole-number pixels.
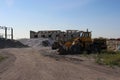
[
  {"x": 1, "y": 58},
  {"x": 109, "y": 58}
]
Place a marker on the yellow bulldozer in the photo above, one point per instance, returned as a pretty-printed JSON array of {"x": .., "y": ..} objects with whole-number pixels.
[{"x": 78, "y": 45}]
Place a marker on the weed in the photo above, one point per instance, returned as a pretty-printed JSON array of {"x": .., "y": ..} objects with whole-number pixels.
[
  {"x": 1, "y": 58},
  {"x": 109, "y": 58}
]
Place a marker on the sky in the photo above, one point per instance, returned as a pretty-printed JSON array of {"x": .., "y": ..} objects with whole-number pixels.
[{"x": 102, "y": 17}]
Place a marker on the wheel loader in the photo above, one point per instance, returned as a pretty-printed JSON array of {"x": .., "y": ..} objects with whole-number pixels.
[{"x": 83, "y": 43}]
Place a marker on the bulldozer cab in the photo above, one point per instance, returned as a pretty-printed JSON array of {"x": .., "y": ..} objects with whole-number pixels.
[
  {"x": 84, "y": 39},
  {"x": 85, "y": 36}
]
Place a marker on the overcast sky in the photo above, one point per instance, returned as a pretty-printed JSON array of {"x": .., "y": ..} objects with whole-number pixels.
[{"x": 102, "y": 17}]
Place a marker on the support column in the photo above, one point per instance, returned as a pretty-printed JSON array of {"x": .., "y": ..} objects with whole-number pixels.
[
  {"x": 5, "y": 32},
  {"x": 11, "y": 33}
]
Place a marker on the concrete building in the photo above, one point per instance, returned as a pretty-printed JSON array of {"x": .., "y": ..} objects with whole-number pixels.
[
  {"x": 6, "y": 32},
  {"x": 55, "y": 34},
  {"x": 72, "y": 33}
]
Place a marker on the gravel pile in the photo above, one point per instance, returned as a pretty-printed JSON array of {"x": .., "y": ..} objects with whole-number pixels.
[
  {"x": 10, "y": 43},
  {"x": 37, "y": 42}
]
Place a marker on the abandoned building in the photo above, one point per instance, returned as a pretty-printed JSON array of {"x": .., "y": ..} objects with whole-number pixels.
[
  {"x": 6, "y": 32},
  {"x": 55, "y": 34},
  {"x": 45, "y": 34}
]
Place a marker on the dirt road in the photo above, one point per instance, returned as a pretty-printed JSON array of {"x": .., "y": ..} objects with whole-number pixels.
[{"x": 31, "y": 64}]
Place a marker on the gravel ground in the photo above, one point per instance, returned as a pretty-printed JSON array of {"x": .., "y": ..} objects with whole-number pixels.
[{"x": 44, "y": 64}]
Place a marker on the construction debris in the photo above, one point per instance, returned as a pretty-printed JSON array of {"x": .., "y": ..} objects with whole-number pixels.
[{"x": 37, "y": 42}]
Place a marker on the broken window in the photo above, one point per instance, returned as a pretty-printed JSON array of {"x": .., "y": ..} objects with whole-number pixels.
[
  {"x": 35, "y": 36},
  {"x": 43, "y": 36},
  {"x": 50, "y": 36},
  {"x": 71, "y": 35}
]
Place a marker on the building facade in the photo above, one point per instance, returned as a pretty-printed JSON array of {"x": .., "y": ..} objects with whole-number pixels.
[{"x": 55, "y": 34}]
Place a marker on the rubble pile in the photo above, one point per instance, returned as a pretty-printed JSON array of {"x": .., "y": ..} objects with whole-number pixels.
[
  {"x": 8, "y": 43},
  {"x": 37, "y": 42}
]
